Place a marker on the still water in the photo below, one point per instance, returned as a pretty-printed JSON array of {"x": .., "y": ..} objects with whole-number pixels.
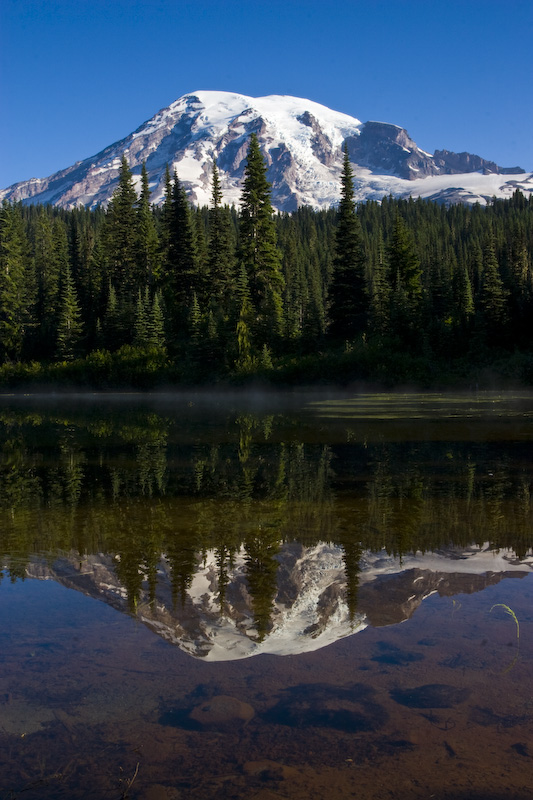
[{"x": 266, "y": 597}]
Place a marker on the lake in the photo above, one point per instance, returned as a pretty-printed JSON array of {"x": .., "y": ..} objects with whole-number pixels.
[{"x": 266, "y": 596}]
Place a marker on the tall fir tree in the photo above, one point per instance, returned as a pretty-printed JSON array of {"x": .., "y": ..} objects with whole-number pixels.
[
  {"x": 258, "y": 248},
  {"x": 148, "y": 252},
  {"x": 315, "y": 321},
  {"x": 122, "y": 241},
  {"x": 464, "y": 300},
  {"x": 112, "y": 326},
  {"x": 62, "y": 255},
  {"x": 379, "y": 318},
  {"x": 142, "y": 310},
  {"x": 202, "y": 283},
  {"x": 47, "y": 280},
  {"x": 91, "y": 290},
  {"x": 156, "y": 324},
  {"x": 14, "y": 306},
  {"x": 296, "y": 290},
  {"x": 165, "y": 227},
  {"x": 181, "y": 278},
  {"x": 69, "y": 327},
  {"x": 406, "y": 280},
  {"x": 244, "y": 320},
  {"x": 348, "y": 296},
  {"x": 220, "y": 248},
  {"x": 493, "y": 296}
]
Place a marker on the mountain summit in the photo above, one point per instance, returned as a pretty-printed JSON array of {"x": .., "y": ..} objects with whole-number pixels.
[{"x": 302, "y": 142}]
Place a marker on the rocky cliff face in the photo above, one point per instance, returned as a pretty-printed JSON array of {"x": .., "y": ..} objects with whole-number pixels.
[
  {"x": 309, "y": 609},
  {"x": 302, "y": 142},
  {"x": 388, "y": 148}
]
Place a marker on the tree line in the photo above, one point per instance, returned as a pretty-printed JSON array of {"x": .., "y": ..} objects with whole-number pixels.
[{"x": 214, "y": 292}]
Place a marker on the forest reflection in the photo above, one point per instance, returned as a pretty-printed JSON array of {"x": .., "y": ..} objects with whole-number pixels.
[{"x": 139, "y": 485}]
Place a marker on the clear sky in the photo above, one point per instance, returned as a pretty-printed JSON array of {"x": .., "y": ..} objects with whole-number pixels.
[{"x": 77, "y": 75}]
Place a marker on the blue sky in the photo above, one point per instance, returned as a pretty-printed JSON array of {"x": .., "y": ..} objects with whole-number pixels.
[{"x": 77, "y": 75}]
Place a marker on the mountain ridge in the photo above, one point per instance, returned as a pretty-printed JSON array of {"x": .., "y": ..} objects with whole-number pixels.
[{"x": 302, "y": 144}]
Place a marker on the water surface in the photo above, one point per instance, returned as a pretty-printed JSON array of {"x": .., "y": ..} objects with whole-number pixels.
[{"x": 266, "y": 597}]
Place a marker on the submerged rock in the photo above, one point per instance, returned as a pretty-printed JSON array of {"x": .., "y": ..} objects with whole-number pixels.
[
  {"x": 222, "y": 712},
  {"x": 347, "y": 708},
  {"x": 431, "y": 695}
]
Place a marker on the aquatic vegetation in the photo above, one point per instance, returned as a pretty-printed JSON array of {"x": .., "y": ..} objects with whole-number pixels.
[
  {"x": 456, "y": 606},
  {"x": 511, "y": 613},
  {"x": 127, "y": 783}
]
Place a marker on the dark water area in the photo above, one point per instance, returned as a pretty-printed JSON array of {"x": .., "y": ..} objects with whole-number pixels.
[{"x": 266, "y": 596}]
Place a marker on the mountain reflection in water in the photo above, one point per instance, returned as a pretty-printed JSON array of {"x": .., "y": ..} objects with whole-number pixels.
[
  {"x": 309, "y": 609},
  {"x": 276, "y": 529}
]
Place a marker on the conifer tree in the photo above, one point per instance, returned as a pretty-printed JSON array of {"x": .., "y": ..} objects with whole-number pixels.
[
  {"x": 165, "y": 226},
  {"x": 195, "y": 318},
  {"x": 156, "y": 323},
  {"x": 493, "y": 295},
  {"x": 519, "y": 283},
  {"x": 122, "y": 239},
  {"x": 296, "y": 293},
  {"x": 210, "y": 346},
  {"x": 148, "y": 253},
  {"x": 202, "y": 284},
  {"x": 69, "y": 328},
  {"x": 14, "y": 311},
  {"x": 315, "y": 314},
  {"x": 347, "y": 292},
  {"x": 63, "y": 265},
  {"x": 76, "y": 226},
  {"x": 404, "y": 262},
  {"x": 379, "y": 318},
  {"x": 220, "y": 248},
  {"x": 47, "y": 281},
  {"x": 464, "y": 301},
  {"x": 258, "y": 248},
  {"x": 244, "y": 320},
  {"x": 314, "y": 326},
  {"x": 180, "y": 274},
  {"x": 92, "y": 287},
  {"x": 140, "y": 338},
  {"x": 112, "y": 322},
  {"x": 182, "y": 247},
  {"x": 406, "y": 278},
  {"x": 476, "y": 262},
  {"x": 61, "y": 248}
]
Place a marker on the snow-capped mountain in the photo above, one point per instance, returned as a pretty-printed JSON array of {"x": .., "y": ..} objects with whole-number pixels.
[
  {"x": 302, "y": 142},
  {"x": 309, "y": 609}
]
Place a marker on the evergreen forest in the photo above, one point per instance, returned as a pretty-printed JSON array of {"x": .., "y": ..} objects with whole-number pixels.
[{"x": 137, "y": 295}]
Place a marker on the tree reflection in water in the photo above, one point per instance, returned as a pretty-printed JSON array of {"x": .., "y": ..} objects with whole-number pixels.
[{"x": 141, "y": 486}]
